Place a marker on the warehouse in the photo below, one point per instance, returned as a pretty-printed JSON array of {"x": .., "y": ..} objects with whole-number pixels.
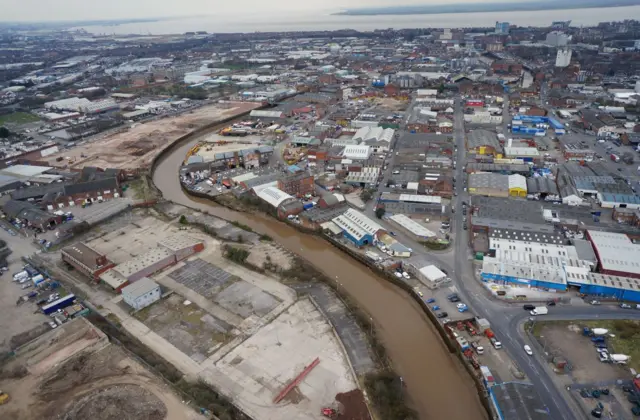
[
  {"x": 606, "y": 286},
  {"x": 430, "y": 275},
  {"x": 182, "y": 246},
  {"x": 617, "y": 255},
  {"x": 497, "y": 185},
  {"x": 412, "y": 226},
  {"x": 483, "y": 142},
  {"x": 360, "y": 152},
  {"x": 86, "y": 260},
  {"x": 358, "y": 228},
  {"x": 143, "y": 265},
  {"x": 527, "y": 154},
  {"x": 523, "y": 274},
  {"x": 142, "y": 293}
]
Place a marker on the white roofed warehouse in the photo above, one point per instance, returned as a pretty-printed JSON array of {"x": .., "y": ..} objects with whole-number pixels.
[
  {"x": 358, "y": 228},
  {"x": 617, "y": 255},
  {"x": 282, "y": 203}
]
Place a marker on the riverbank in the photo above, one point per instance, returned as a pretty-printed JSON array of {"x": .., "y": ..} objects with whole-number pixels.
[
  {"x": 436, "y": 383},
  {"x": 249, "y": 205}
]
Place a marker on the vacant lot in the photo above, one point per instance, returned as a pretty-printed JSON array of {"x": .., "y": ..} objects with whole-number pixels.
[
  {"x": 18, "y": 118},
  {"x": 136, "y": 147},
  {"x": 186, "y": 326}
]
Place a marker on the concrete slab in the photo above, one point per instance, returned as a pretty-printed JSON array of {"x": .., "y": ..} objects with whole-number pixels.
[{"x": 254, "y": 372}]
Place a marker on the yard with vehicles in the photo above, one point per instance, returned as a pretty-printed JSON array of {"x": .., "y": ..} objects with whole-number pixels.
[{"x": 596, "y": 360}]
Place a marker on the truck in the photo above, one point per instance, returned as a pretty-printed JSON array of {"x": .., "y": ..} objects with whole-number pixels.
[
  {"x": 615, "y": 157},
  {"x": 620, "y": 359},
  {"x": 61, "y": 303},
  {"x": 539, "y": 310},
  {"x": 487, "y": 376}
]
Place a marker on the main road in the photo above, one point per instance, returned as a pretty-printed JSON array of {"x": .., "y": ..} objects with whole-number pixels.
[{"x": 506, "y": 320}]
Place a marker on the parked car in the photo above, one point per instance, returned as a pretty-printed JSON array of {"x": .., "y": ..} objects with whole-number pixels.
[
  {"x": 528, "y": 307},
  {"x": 595, "y": 302},
  {"x": 528, "y": 350},
  {"x": 625, "y": 306},
  {"x": 442, "y": 315},
  {"x": 551, "y": 303},
  {"x": 430, "y": 300}
]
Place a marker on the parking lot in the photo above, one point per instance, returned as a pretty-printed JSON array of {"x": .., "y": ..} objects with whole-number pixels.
[{"x": 585, "y": 373}]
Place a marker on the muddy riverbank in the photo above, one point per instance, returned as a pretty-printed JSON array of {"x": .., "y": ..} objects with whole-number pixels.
[{"x": 437, "y": 384}]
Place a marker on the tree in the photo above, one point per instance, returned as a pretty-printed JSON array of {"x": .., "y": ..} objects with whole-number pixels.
[
  {"x": 380, "y": 212},
  {"x": 366, "y": 195},
  {"x": 183, "y": 220},
  {"x": 441, "y": 88},
  {"x": 4, "y": 132}
]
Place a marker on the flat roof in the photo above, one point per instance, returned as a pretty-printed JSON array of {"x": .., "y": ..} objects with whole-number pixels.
[
  {"x": 415, "y": 198},
  {"x": 523, "y": 270},
  {"x": 178, "y": 242},
  {"x": 142, "y": 261},
  {"x": 518, "y": 401},
  {"x": 24, "y": 171},
  {"x": 432, "y": 273},
  {"x": 83, "y": 253},
  {"x": 113, "y": 278},
  {"x": 615, "y": 251},
  {"x": 412, "y": 226},
  {"x": 139, "y": 287}
]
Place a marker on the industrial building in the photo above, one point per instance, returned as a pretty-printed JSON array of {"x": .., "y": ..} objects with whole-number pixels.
[
  {"x": 298, "y": 184},
  {"x": 483, "y": 142},
  {"x": 607, "y": 286},
  {"x": 412, "y": 226},
  {"x": 86, "y": 260},
  {"x": 358, "y": 228},
  {"x": 429, "y": 275},
  {"x": 497, "y": 185},
  {"x": 182, "y": 246},
  {"x": 142, "y": 293},
  {"x": 617, "y": 255},
  {"x": 359, "y": 152},
  {"x": 143, "y": 265},
  {"x": 284, "y": 204}
]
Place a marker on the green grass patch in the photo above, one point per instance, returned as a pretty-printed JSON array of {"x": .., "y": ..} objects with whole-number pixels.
[
  {"x": 18, "y": 118},
  {"x": 242, "y": 226},
  {"x": 435, "y": 245}
]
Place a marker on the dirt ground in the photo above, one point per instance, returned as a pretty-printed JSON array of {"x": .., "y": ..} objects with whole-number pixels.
[
  {"x": 138, "y": 146},
  {"x": 94, "y": 383},
  {"x": 267, "y": 252},
  {"x": 392, "y": 104},
  {"x": 567, "y": 341},
  {"x": 353, "y": 406},
  {"x": 188, "y": 327}
]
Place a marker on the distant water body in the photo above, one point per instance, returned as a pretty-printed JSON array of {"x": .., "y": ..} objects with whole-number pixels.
[{"x": 326, "y": 21}]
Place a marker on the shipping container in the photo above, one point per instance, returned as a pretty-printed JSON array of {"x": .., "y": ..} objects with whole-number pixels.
[{"x": 61, "y": 303}]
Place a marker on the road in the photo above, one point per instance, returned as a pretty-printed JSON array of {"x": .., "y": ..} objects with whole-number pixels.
[{"x": 506, "y": 319}]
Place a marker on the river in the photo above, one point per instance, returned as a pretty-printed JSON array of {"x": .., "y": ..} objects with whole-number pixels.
[
  {"x": 284, "y": 20},
  {"x": 438, "y": 386}
]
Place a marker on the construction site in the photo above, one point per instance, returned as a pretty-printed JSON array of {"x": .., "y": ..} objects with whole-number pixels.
[
  {"x": 74, "y": 373},
  {"x": 273, "y": 354},
  {"x": 136, "y": 146}
]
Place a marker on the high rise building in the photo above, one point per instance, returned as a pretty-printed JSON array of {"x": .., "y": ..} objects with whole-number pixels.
[
  {"x": 557, "y": 39},
  {"x": 563, "y": 58},
  {"x": 502, "y": 27}
]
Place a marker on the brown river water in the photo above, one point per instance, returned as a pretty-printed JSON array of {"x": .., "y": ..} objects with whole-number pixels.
[{"x": 437, "y": 385}]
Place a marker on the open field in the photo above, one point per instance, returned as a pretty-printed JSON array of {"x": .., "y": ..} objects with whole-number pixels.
[
  {"x": 136, "y": 147},
  {"x": 18, "y": 118},
  {"x": 73, "y": 372}
]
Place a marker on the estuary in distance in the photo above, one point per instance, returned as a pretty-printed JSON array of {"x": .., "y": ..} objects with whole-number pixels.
[{"x": 282, "y": 21}]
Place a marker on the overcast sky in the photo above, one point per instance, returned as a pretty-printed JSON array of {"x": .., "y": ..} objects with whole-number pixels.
[{"x": 40, "y": 10}]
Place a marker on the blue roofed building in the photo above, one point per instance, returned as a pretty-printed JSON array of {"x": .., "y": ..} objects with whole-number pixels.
[{"x": 358, "y": 228}]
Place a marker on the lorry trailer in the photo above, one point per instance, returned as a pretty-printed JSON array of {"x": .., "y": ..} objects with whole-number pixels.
[{"x": 61, "y": 303}]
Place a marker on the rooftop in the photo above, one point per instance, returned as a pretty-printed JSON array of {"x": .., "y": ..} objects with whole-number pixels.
[
  {"x": 412, "y": 226},
  {"x": 139, "y": 288},
  {"x": 83, "y": 253},
  {"x": 615, "y": 251},
  {"x": 142, "y": 261},
  {"x": 177, "y": 243}
]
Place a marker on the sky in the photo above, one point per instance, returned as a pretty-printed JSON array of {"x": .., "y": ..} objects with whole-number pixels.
[{"x": 52, "y": 10}]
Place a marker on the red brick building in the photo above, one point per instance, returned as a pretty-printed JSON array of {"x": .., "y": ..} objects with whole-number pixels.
[
  {"x": 86, "y": 260},
  {"x": 297, "y": 184}
]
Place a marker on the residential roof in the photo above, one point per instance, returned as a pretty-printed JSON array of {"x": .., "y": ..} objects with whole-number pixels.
[
  {"x": 616, "y": 252},
  {"x": 83, "y": 253},
  {"x": 139, "y": 288}
]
